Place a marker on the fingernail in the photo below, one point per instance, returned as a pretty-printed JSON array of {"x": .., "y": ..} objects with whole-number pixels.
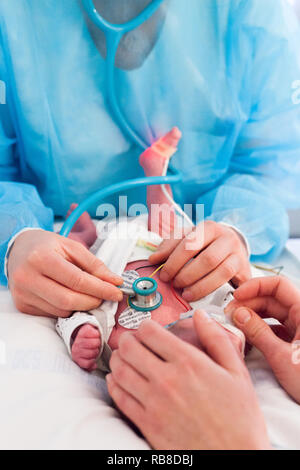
[
  {"x": 242, "y": 316},
  {"x": 164, "y": 276},
  {"x": 119, "y": 296},
  {"x": 187, "y": 295}
]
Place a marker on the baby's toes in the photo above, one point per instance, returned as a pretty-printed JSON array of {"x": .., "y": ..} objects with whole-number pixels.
[
  {"x": 85, "y": 357},
  {"x": 86, "y": 347},
  {"x": 90, "y": 353},
  {"x": 87, "y": 364},
  {"x": 86, "y": 343},
  {"x": 88, "y": 332}
]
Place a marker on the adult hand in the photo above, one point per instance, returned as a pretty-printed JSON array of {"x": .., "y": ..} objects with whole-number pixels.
[
  {"x": 182, "y": 398},
  {"x": 50, "y": 275},
  {"x": 208, "y": 257},
  {"x": 274, "y": 297}
]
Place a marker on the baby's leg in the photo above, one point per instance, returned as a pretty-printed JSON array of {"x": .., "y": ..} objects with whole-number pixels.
[
  {"x": 84, "y": 231},
  {"x": 162, "y": 218},
  {"x": 86, "y": 339}
]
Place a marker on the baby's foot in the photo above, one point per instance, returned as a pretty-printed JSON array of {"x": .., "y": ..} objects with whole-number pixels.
[
  {"x": 153, "y": 162},
  {"x": 86, "y": 346},
  {"x": 84, "y": 231}
]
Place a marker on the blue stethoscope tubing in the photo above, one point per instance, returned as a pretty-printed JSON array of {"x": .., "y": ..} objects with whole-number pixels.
[
  {"x": 113, "y": 189},
  {"x": 113, "y": 34}
]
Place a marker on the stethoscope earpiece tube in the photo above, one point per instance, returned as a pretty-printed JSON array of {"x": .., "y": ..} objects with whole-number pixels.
[
  {"x": 101, "y": 194},
  {"x": 113, "y": 34}
]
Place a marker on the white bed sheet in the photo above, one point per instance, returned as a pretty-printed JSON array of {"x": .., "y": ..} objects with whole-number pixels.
[{"x": 47, "y": 402}]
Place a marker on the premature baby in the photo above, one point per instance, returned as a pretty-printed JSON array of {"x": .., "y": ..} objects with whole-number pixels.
[{"x": 90, "y": 337}]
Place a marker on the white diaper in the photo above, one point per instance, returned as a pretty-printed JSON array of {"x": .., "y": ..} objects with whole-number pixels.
[{"x": 119, "y": 244}]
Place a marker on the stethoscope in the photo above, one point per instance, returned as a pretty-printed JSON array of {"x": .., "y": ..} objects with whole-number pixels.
[
  {"x": 144, "y": 297},
  {"x": 113, "y": 35}
]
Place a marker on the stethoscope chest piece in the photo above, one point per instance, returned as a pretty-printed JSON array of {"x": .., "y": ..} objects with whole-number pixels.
[{"x": 146, "y": 296}]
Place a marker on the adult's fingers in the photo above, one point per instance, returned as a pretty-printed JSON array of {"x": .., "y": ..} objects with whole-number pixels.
[
  {"x": 260, "y": 335},
  {"x": 69, "y": 275},
  {"x": 125, "y": 402},
  {"x": 32, "y": 310},
  {"x": 161, "y": 342},
  {"x": 293, "y": 320},
  {"x": 26, "y": 301},
  {"x": 139, "y": 357},
  {"x": 84, "y": 259},
  {"x": 216, "y": 342},
  {"x": 205, "y": 262},
  {"x": 277, "y": 287},
  {"x": 61, "y": 297},
  {"x": 164, "y": 250},
  {"x": 202, "y": 236},
  {"x": 128, "y": 378},
  {"x": 264, "y": 306},
  {"x": 217, "y": 278},
  {"x": 243, "y": 275}
]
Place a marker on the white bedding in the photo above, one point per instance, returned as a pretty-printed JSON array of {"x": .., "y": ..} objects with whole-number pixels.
[{"x": 47, "y": 402}]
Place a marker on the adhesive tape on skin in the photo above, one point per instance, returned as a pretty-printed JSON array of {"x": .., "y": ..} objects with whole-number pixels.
[
  {"x": 129, "y": 277},
  {"x": 131, "y": 319}
]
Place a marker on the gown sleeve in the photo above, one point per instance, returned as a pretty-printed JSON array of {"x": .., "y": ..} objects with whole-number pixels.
[
  {"x": 264, "y": 174},
  {"x": 20, "y": 204}
]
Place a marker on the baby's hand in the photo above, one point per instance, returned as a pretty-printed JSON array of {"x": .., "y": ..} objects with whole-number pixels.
[{"x": 271, "y": 297}]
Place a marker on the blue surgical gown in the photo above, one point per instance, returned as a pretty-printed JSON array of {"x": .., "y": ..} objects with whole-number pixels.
[{"x": 226, "y": 72}]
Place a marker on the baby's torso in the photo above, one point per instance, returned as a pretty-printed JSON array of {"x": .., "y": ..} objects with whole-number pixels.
[
  {"x": 127, "y": 247},
  {"x": 169, "y": 311}
]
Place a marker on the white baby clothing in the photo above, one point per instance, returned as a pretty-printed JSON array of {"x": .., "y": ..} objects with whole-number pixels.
[{"x": 118, "y": 244}]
